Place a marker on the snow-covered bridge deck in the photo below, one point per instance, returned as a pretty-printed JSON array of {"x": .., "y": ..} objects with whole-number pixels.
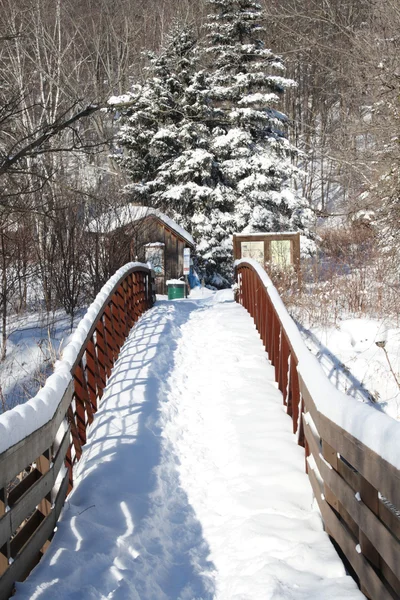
[{"x": 191, "y": 484}]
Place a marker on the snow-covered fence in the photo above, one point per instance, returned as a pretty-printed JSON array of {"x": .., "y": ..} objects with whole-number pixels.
[
  {"x": 352, "y": 450},
  {"x": 41, "y": 440}
]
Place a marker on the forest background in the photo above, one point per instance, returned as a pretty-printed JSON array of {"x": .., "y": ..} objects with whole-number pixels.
[{"x": 60, "y": 62}]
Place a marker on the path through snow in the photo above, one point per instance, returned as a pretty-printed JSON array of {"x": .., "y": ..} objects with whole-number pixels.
[{"x": 191, "y": 485}]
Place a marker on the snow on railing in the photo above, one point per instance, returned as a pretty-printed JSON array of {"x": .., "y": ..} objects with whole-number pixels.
[
  {"x": 352, "y": 450},
  {"x": 41, "y": 440}
]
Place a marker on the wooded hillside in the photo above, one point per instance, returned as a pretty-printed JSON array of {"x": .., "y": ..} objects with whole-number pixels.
[{"x": 61, "y": 61}]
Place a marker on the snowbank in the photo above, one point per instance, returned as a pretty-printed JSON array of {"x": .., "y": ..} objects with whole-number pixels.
[
  {"x": 21, "y": 421},
  {"x": 361, "y": 357},
  {"x": 374, "y": 429}
]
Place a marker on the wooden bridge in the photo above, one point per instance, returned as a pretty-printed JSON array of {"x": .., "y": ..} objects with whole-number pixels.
[{"x": 349, "y": 454}]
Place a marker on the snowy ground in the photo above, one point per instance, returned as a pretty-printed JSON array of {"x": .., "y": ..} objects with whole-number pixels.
[
  {"x": 34, "y": 343},
  {"x": 362, "y": 358},
  {"x": 191, "y": 485}
]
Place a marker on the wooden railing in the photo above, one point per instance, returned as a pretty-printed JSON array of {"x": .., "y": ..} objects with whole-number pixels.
[
  {"x": 357, "y": 489},
  {"x": 36, "y": 474}
]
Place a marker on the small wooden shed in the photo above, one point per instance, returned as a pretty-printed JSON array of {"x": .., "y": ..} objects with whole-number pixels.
[{"x": 153, "y": 237}]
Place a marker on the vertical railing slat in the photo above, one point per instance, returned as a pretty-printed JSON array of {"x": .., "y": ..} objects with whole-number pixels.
[{"x": 90, "y": 373}]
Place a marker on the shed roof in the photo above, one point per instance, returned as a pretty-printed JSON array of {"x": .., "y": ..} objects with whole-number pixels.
[{"x": 125, "y": 215}]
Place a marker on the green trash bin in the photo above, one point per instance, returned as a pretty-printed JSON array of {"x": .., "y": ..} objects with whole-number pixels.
[{"x": 176, "y": 289}]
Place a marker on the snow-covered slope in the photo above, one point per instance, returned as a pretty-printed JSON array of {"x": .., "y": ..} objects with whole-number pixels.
[
  {"x": 191, "y": 485},
  {"x": 361, "y": 357}
]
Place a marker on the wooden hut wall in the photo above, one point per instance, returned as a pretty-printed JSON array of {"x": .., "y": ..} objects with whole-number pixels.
[
  {"x": 151, "y": 230},
  {"x": 146, "y": 231},
  {"x": 170, "y": 256},
  {"x": 181, "y": 246}
]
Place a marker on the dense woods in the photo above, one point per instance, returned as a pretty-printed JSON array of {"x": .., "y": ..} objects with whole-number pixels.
[{"x": 60, "y": 62}]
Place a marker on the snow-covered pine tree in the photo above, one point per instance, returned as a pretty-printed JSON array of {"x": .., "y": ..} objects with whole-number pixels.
[
  {"x": 191, "y": 187},
  {"x": 237, "y": 175},
  {"x": 165, "y": 137},
  {"x": 245, "y": 86},
  {"x": 207, "y": 145},
  {"x": 149, "y": 131}
]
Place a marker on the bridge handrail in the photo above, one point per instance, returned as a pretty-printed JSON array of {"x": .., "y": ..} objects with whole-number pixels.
[
  {"x": 39, "y": 437},
  {"x": 352, "y": 450}
]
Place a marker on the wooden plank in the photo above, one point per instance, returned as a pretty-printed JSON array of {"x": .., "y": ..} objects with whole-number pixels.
[
  {"x": 277, "y": 342},
  {"x": 125, "y": 304},
  {"x": 376, "y": 470},
  {"x": 91, "y": 375},
  {"x": 374, "y": 586},
  {"x": 3, "y": 564},
  {"x": 5, "y": 529},
  {"x": 118, "y": 313},
  {"x": 43, "y": 466},
  {"x": 284, "y": 367},
  {"x": 383, "y": 476},
  {"x": 116, "y": 323},
  {"x": 110, "y": 336},
  {"x": 294, "y": 391},
  {"x": 349, "y": 474},
  {"x": 263, "y": 318},
  {"x": 270, "y": 327},
  {"x": 83, "y": 406},
  {"x": 331, "y": 498},
  {"x": 369, "y": 497},
  {"x": 27, "y": 557},
  {"x": 122, "y": 307},
  {"x": 26, "y": 532},
  {"x": 135, "y": 297},
  {"x": 390, "y": 578},
  {"x": 24, "y": 485},
  {"x": 18, "y": 457},
  {"x": 390, "y": 517},
  {"x": 24, "y": 506},
  {"x": 69, "y": 464},
  {"x": 329, "y": 454},
  {"x": 309, "y": 403},
  {"x": 129, "y": 292},
  {"x": 3, "y": 500},
  {"x": 103, "y": 352},
  {"x": 378, "y": 535},
  {"x": 74, "y": 433},
  {"x": 312, "y": 438},
  {"x": 300, "y": 432},
  {"x": 350, "y": 522},
  {"x": 101, "y": 356},
  {"x": 143, "y": 305}
]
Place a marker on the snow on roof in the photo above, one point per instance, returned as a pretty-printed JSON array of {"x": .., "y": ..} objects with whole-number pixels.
[{"x": 124, "y": 215}]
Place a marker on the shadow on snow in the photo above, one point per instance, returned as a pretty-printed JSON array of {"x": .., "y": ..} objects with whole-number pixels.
[{"x": 128, "y": 530}]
